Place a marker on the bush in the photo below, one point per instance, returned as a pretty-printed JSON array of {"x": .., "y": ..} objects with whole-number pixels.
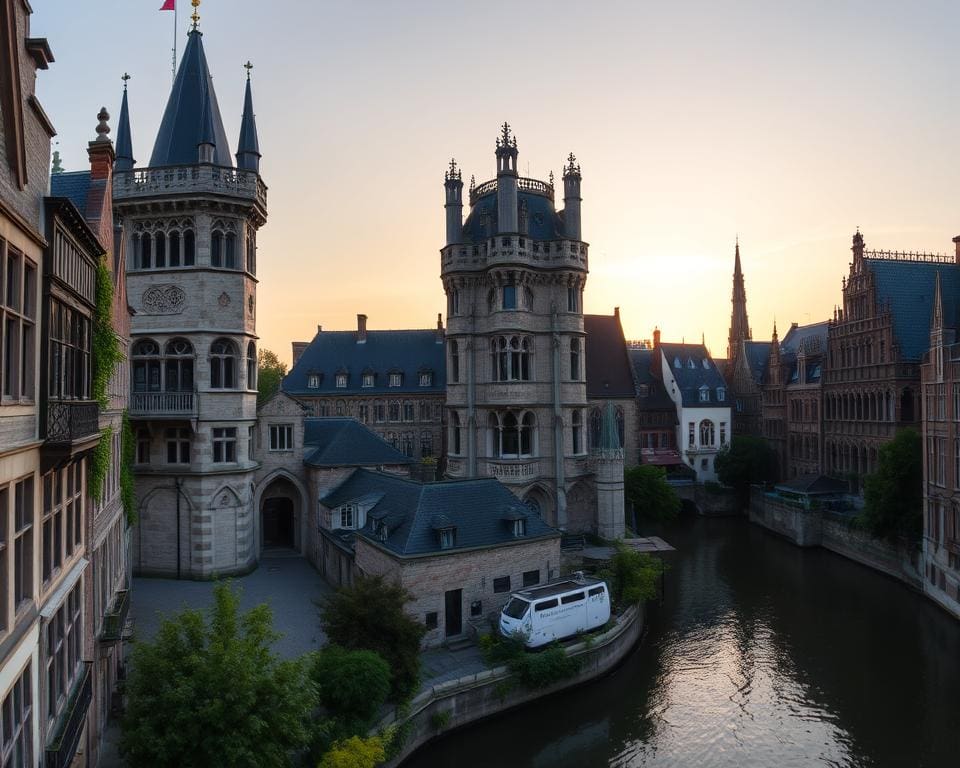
[
  {"x": 370, "y": 616},
  {"x": 352, "y": 685},
  {"x": 746, "y": 460},
  {"x": 532, "y": 669},
  {"x": 894, "y": 493},
  {"x": 355, "y": 753},
  {"x": 631, "y": 576},
  {"x": 646, "y": 488}
]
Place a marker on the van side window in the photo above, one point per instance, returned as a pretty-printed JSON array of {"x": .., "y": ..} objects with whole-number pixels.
[
  {"x": 595, "y": 591},
  {"x": 574, "y": 598},
  {"x": 546, "y": 605}
]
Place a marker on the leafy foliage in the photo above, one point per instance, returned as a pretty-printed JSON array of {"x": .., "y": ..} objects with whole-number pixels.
[
  {"x": 128, "y": 454},
  {"x": 353, "y": 685},
  {"x": 99, "y": 464},
  {"x": 894, "y": 493},
  {"x": 745, "y": 461},
  {"x": 107, "y": 354},
  {"x": 646, "y": 487},
  {"x": 270, "y": 372},
  {"x": 209, "y": 691},
  {"x": 533, "y": 670},
  {"x": 355, "y": 752},
  {"x": 370, "y": 616},
  {"x": 631, "y": 575}
]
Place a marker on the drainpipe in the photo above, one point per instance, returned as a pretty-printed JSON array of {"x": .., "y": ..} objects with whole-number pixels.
[
  {"x": 178, "y": 482},
  {"x": 558, "y": 424},
  {"x": 471, "y": 400}
]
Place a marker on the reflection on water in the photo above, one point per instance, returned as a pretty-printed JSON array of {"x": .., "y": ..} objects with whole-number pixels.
[{"x": 761, "y": 654}]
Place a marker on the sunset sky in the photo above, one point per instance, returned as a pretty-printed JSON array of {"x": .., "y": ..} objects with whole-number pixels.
[{"x": 695, "y": 121}]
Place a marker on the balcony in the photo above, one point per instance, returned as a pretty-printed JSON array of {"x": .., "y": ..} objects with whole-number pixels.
[
  {"x": 70, "y": 421},
  {"x": 195, "y": 179},
  {"x": 69, "y": 725},
  {"x": 161, "y": 405},
  {"x": 115, "y": 618},
  {"x": 513, "y": 471}
]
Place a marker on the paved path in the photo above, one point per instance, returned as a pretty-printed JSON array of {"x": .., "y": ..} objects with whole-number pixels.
[
  {"x": 290, "y": 585},
  {"x": 442, "y": 664}
]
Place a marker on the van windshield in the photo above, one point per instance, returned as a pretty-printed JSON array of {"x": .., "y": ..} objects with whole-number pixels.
[{"x": 516, "y": 608}]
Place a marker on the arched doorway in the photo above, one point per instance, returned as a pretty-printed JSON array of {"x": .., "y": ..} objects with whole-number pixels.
[{"x": 279, "y": 515}]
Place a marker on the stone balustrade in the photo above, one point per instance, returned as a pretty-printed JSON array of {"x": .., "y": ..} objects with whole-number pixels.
[{"x": 199, "y": 179}]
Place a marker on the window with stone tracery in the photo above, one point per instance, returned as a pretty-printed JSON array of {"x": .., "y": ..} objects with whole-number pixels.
[
  {"x": 510, "y": 358},
  {"x": 510, "y": 436},
  {"x": 162, "y": 243},
  {"x": 223, "y": 364}
]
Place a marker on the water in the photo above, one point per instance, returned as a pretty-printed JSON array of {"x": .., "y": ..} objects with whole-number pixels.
[{"x": 762, "y": 654}]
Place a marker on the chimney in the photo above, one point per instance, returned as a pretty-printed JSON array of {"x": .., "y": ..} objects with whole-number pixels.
[
  {"x": 616, "y": 312},
  {"x": 656, "y": 338},
  {"x": 319, "y": 328},
  {"x": 439, "y": 328},
  {"x": 298, "y": 349},
  {"x": 956, "y": 241},
  {"x": 361, "y": 329}
]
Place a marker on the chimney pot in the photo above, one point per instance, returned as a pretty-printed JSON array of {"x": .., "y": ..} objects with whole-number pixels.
[
  {"x": 656, "y": 338},
  {"x": 361, "y": 329},
  {"x": 319, "y": 328}
]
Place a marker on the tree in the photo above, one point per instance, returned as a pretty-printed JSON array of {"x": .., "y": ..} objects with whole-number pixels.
[
  {"x": 209, "y": 691},
  {"x": 370, "y": 616},
  {"x": 646, "y": 488},
  {"x": 631, "y": 575},
  {"x": 352, "y": 685},
  {"x": 894, "y": 493},
  {"x": 745, "y": 461},
  {"x": 355, "y": 753},
  {"x": 270, "y": 372}
]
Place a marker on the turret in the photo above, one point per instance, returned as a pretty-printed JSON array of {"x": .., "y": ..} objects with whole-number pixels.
[
  {"x": 571, "y": 198},
  {"x": 453, "y": 187},
  {"x": 507, "y": 214},
  {"x": 124, "y": 161},
  {"x": 857, "y": 249},
  {"x": 248, "y": 148}
]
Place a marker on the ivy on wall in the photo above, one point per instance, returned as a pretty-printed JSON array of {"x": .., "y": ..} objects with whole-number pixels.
[
  {"x": 128, "y": 452},
  {"x": 99, "y": 464},
  {"x": 106, "y": 348}
]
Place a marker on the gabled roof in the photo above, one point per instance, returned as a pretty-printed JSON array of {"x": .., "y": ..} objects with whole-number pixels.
[
  {"x": 811, "y": 337},
  {"x": 757, "y": 356},
  {"x": 74, "y": 185},
  {"x": 656, "y": 397},
  {"x": 341, "y": 442},
  {"x": 696, "y": 369},
  {"x": 481, "y": 512},
  {"x": 907, "y": 287},
  {"x": 815, "y": 485},
  {"x": 192, "y": 106},
  {"x": 608, "y": 367},
  {"x": 543, "y": 221},
  {"x": 383, "y": 351}
]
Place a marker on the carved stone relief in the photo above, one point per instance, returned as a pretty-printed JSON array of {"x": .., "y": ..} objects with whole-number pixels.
[{"x": 163, "y": 300}]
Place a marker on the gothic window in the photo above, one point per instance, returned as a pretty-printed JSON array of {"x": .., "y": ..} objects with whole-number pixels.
[
  {"x": 146, "y": 366},
  {"x": 174, "y": 242},
  {"x": 596, "y": 427},
  {"x": 508, "y": 295},
  {"x": 160, "y": 250},
  {"x": 216, "y": 249},
  {"x": 573, "y": 296},
  {"x": 575, "y": 359},
  {"x": 455, "y": 433},
  {"x": 251, "y": 251},
  {"x": 251, "y": 366},
  {"x": 425, "y": 410},
  {"x": 380, "y": 412},
  {"x": 339, "y": 408},
  {"x": 454, "y": 302},
  {"x": 706, "y": 433},
  {"x": 576, "y": 428},
  {"x": 223, "y": 364},
  {"x": 409, "y": 413},
  {"x": 510, "y": 437},
  {"x": 407, "y": 445},
  {"x": 454, "y": 362},
  {"x": 510, "y": 358},
  {"x": 146, "y": 252},
  {"x": 188, "y": 248},
  {"x": 230, "y": 251},
  {"x": 618, "y": 413},
  {"x": 178, "y": 366}
]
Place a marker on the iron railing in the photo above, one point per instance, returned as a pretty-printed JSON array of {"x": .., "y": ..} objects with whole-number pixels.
[
  {"x": 69, "y": 725},
  {"x": 113, "y": 620},
  {"x": 70, "y": 420}
]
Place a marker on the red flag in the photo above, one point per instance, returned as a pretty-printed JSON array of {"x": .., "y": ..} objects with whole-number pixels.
[{"x": 169, "y": 5}]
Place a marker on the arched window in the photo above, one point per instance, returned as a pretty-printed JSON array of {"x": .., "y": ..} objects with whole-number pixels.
[
  {"x": 223, "y": 364},
  {"x": 251, "y": 251},
  {"x": 146, "y": 366},
  {"x": 510, "y": 437},
  {"x": 251, "y": 366},
  {"x": 230, "y": 251},
  {"x": 178, "y": 366},
  {"x": 576, "y": 428},
  {"x": 575, "y": 359},
  {"x": 706, "y": 433},
  {"x": 510, "y": 358},
  {"x": 454, "y": 362},
  {"x": 146, "y": 255},
  {"x": 596, "y": 427},
  {"x": 619, "y": 416},
  {"x": 188, "y": 248},
  {"x": 216, "y": 249},
  {"x": 455, "y": 436},
  {"x": 174, "y": 238},
  {"x": 161, "y": 249}
]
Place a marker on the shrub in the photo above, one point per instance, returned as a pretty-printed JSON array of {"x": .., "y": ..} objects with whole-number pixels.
[
  {"x": 355, "y": 753},
  {"x": 631, "y": 576},
  {"x": 352, "y": 685},
  {"x": 646, "y": 488}
]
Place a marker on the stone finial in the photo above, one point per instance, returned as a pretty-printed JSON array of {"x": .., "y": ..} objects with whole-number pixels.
[
  {"x": 57, "y": 168},
  {"x": 102, "y": 128},
  {"x": 126, "y": 76},
  {"x": 195, "y": 16},
  {"x": 248, "y": 66},
  {"x": 572, "y": 168},
  {"x": 454, "y": 173}
]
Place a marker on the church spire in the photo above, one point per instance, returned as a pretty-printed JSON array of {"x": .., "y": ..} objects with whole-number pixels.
[
  {"x": 248, "y": 148},
  {"x": 124, "y": 161},
  {"x": 739, "y": 323}
]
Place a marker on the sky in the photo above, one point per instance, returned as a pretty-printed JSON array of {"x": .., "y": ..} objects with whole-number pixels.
[{"x": 786, "y": 124}]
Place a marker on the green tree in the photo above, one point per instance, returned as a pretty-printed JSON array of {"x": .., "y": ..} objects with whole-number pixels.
[
  {"x": 209, "y": 691},
  {"x": 355, "y": 753},
  {"x": 631, "y": 575},
  {"x": 370, "y": 616},
  {"x": 646, "y": 487},
  {"x": 894, "y": 493},
  {"x": 353, "y": 685},
  {"x": 270, "y": 372},
  {"x": 745, "y": 461}
]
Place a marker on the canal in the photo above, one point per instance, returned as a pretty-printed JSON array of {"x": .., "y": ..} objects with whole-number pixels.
[{"x": 761, "y": 654}]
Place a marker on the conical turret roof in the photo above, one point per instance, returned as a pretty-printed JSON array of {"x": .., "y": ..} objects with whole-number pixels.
[
  {"x": 248, "y": 149},
  {"x": 124, "y": 161}
]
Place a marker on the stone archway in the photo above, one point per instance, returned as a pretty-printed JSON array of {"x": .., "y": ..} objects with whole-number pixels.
[
  {"x": 281, "y": 513},
  {"x": 539, "y": 501}
]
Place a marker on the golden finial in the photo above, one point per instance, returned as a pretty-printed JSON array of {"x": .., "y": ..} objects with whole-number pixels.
[{"x": 195, "y": 16}]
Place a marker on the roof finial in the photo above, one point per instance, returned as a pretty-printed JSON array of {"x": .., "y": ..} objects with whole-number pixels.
[
  {"x": 195, "y": 16},
  {"x": 551, "y": 178},
  {"x": 102, "y": 128},
  {"x": 57, "y": 168},
  {"x": 454, "y": 174},
  {"x": 125, "y": 78},
  {"x": 248, "y": 66}
]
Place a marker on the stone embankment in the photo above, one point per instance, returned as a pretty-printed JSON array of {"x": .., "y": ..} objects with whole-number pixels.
[{"x": 459, "y": 702}]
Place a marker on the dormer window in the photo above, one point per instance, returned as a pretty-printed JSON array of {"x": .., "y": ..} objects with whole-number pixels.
[
  {"x": 367, "y": 380},
  {"x": 690, "y": 364},
  {"x": 677, "y": 363},
  {"x": 704, "y": 394},
  {"x": 348, "y": 516},
  {"x": 382, "y": 531},
  {"x": 706, "y": 364},
  {"x": 426, "y": 379},
  {"x": 341, "y": 381},
  {"x": 721, "y": 394},
  {"x": 313, "y": 381},
  {"x": 396, "y": 379},
  {"x": 447, "y": 537},
  {"x": 519, "y": 528}
]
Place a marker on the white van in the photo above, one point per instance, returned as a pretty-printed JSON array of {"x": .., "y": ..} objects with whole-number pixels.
[{"x": 556, "y": 610}]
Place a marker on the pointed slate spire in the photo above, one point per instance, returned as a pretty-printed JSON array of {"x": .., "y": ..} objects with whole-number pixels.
[
  {"x": 739, "y": 323},
  {"x": 207, "y": 146},
  {"x": 124, "y": 161},
  {"x": 191, "y": 112},
  {"x": 937, "y": 324},
  {"x": 609, "y": 434},
  {"x": 248, "y": 148}
]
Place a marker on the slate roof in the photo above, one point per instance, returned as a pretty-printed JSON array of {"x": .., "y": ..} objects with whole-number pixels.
[
  {"x": 758, "y": 355},
  {"x": 907, "y": 287},
  {"x": 815, "y": 485},
  {"x": 124, "y": 160},
  {"x": 480, "y": 510},
  {"x": 813, "y": 336},
  {"x": 543, "y": 221},
  {"x": 192, "y": 106},
  {"x": 409, "y": 352},
  {"x": 641, "y": 363},
  {"x": 342, "y": 442},
  {"x": 691, "y": 379},
  {"x": 75, "y": 186},
  {"x": 607, "y": 366}
]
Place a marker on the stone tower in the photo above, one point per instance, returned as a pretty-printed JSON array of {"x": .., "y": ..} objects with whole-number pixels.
[
  {"x": 607, "y": 461},
  {"x": 189, "y": 223},
  {"x": 739, "y": 324},
  {"x": 514, "y": 272}
]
